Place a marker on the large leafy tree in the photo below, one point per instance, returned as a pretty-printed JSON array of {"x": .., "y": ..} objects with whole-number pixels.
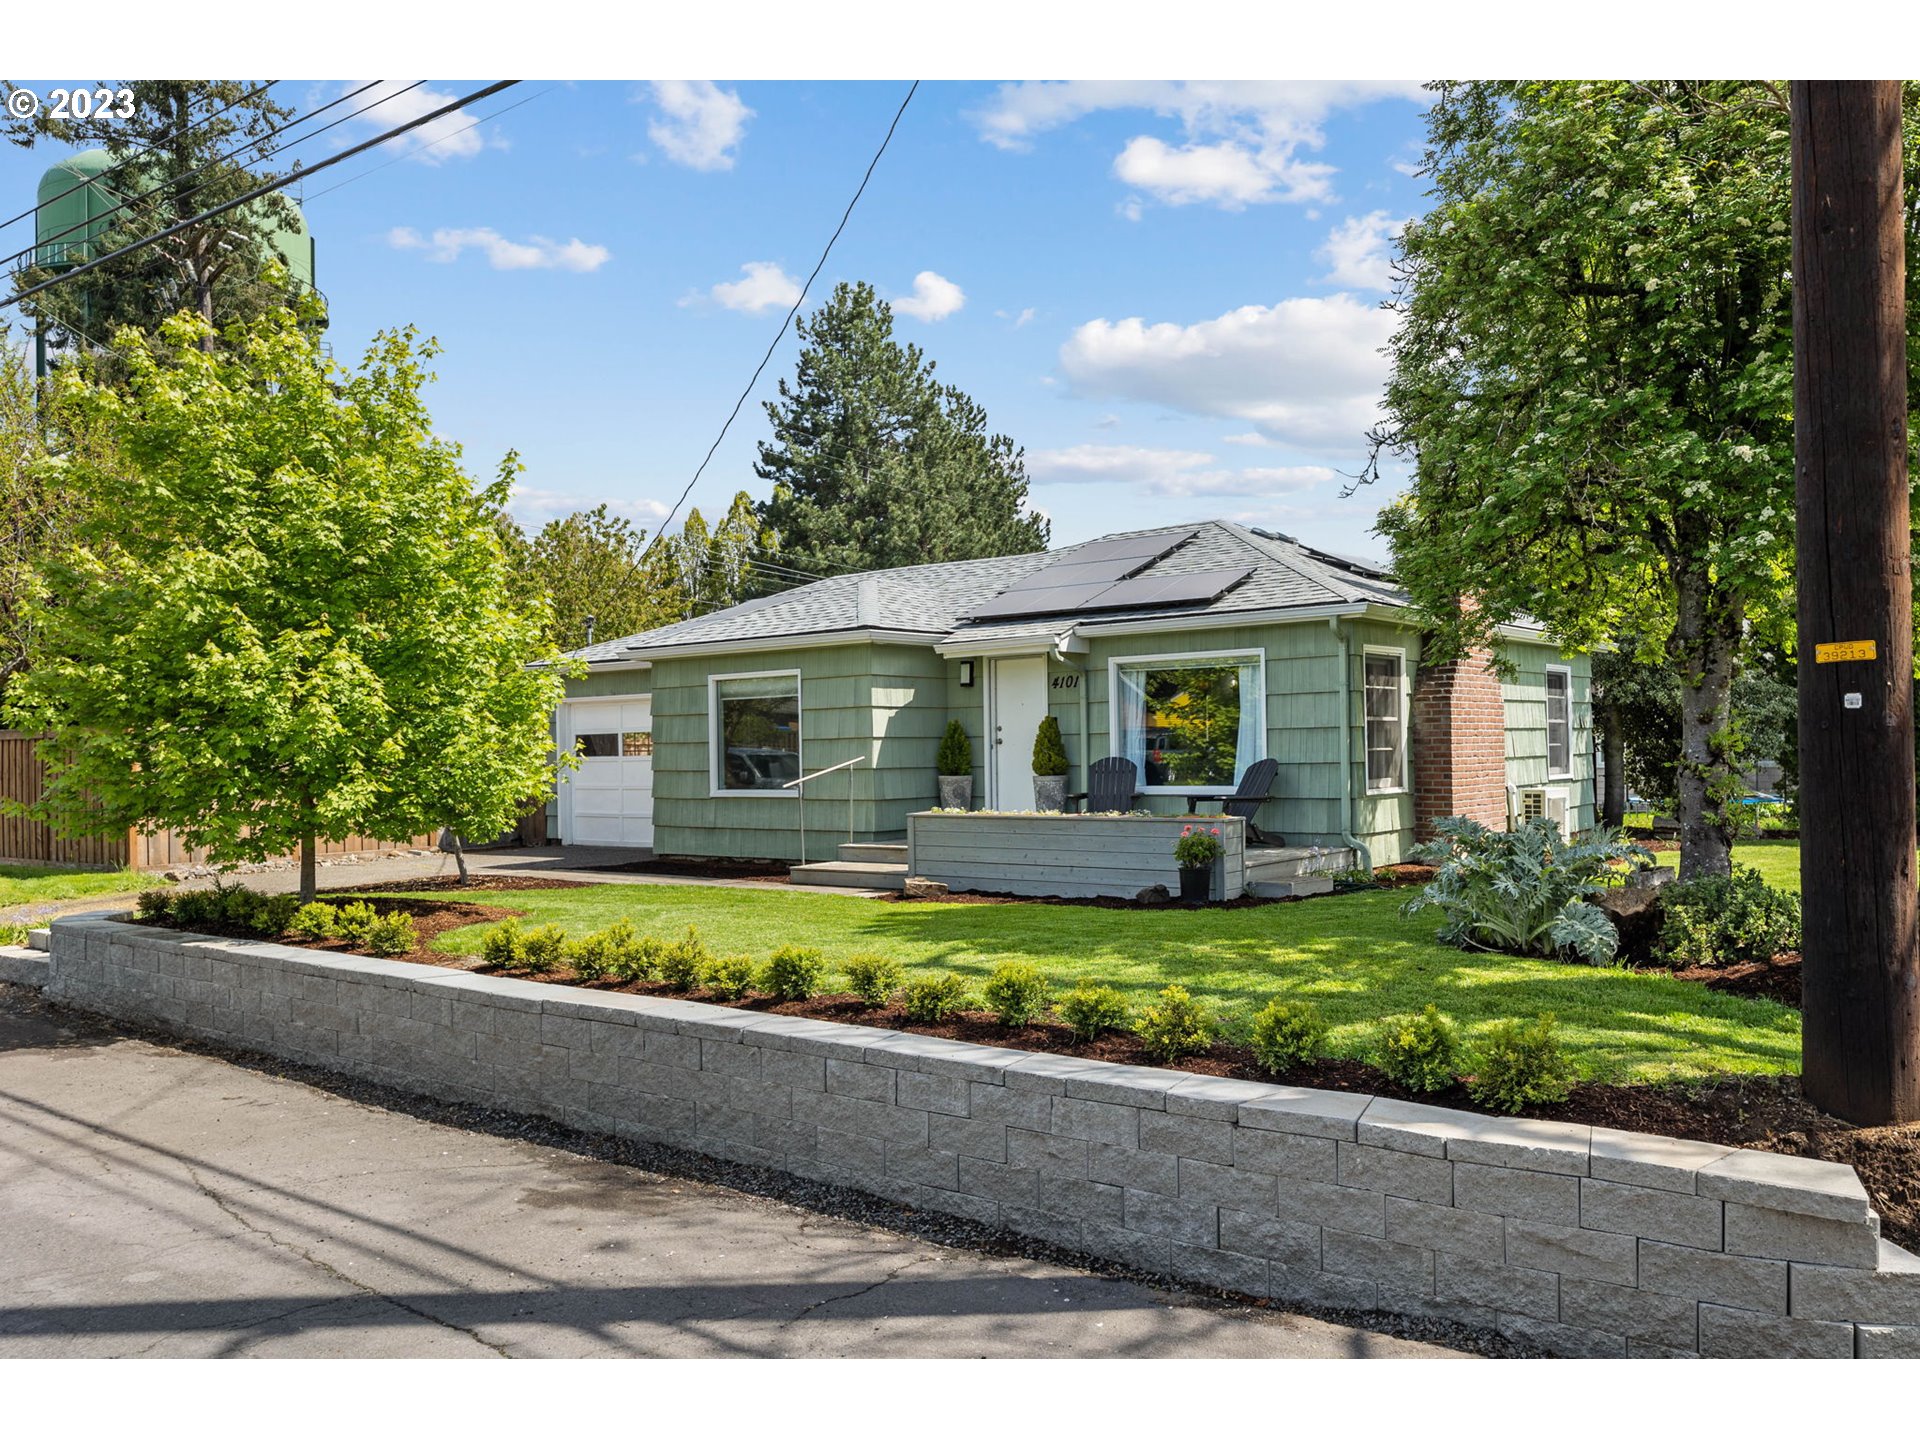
[
  {"x": 37, "y": 510},
  {"x": 717, "y": 565},
  {"x": 186, "y": 146},
  {"x": 1593, "y": 377},
  {"x": 1636, "y": 706},
  {"x": 875, "y": 462},
  {"x": 286, "y": 615},
  {"x": 595, "y": 566}
]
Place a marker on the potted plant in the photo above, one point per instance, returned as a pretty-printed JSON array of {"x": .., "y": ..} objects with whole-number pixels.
[
  {"x": 1049, "y": 767},
  {"x": 955, "y": 766},
  {"x": 1194, "y": 852}
]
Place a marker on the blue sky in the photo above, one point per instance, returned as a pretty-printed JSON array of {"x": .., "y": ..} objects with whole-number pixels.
[{"x": 1166, "y": 292}]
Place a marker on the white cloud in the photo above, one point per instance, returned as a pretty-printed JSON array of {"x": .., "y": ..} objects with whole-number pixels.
[
  {"x": 1111, "y": 464},
  {"x": 1228, "y": 174},
  {"x": 699, "y": 125},
  {"x": 1166, "y": 472},
  {"x": 1305, "y": 371},
  {"x": 1359, "y": 251},
  {"x": 934, "y": 297},
  {"x": 1258, "y": 480},
  {"x": 765, "y": 286},
  {"x": 453, "y": 136},
  {"x": 1239, "y": 142},
  {"x": 533, "y": 505},
  {"x": 536, "y": 252}
]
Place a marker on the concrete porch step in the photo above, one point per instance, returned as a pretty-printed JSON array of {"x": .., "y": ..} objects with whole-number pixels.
[
  {"x": 1287, "y": 889},
  {"x": 851, "y": 875},
  {"x": 1287, "y": 862},
  {"x": 874, "y": 854}
]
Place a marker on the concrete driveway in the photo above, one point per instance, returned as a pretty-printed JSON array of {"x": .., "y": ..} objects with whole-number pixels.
[{"x": 159, "y": 1202}]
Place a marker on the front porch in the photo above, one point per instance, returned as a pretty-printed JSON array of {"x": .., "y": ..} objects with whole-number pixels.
[{"x": 1031, "y": 853}]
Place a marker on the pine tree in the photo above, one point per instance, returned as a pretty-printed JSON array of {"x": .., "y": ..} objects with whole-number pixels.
[{"x": 876, "y": 463}]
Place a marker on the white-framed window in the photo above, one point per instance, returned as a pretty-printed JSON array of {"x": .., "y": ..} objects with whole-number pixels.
[
  {"x": 1191, "y": 723},
  {"x": 1559, "y": 721},
  {"x": 753, "y": 732},
  {"x": 1384, "y": 687}
]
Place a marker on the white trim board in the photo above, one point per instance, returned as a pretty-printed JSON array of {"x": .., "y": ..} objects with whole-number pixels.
[
  {"x": 715, "y": 744},
  {"x": 1399, "y": 652},
  {"x": 1114, "y": 664}
]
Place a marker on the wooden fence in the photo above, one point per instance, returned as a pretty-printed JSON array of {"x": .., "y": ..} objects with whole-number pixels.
[{"x": 22, "y": 776}]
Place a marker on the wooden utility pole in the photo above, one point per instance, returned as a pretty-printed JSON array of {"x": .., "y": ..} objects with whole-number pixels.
[{"x": 1860, "y": 968}]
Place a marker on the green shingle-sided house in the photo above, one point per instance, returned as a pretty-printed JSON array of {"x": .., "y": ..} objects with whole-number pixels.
[{"x": 1194, "y": 650}]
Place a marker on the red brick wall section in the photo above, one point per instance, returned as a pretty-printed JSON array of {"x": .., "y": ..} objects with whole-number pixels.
[{"x": 1458, "y": 743}]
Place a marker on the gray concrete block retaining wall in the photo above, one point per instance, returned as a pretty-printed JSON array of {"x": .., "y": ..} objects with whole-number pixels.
[{"x": 1584, "y": 1241}]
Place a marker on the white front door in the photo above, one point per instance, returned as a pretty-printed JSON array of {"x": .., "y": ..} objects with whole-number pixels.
[
  {"x": 608, "y": 800},
  {"x": 1019, "y": 695}
]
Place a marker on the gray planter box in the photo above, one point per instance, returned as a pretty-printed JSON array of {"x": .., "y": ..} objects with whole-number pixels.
[
  {"x": 956, "y": 792},
  {"x": 1072, "y": 855},
  {"x": 1049, "y": 792}
]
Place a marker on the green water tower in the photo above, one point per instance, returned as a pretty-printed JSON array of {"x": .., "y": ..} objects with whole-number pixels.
[{"x": 78, "y": 194}]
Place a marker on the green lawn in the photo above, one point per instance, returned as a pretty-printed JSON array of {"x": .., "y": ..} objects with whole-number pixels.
[
  {"x": 1778, "y": 861},
  {"x": 1354, "y": 955},
  {"x": 42, "y": 884}
]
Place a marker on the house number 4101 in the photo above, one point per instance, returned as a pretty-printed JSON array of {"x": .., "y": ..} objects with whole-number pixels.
[{"x": 1066, "y": 682}]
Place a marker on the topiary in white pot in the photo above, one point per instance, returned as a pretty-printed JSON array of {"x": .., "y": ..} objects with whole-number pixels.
[
  {"x": 954, "y": 764},
  {"x": 1049, "y": 767}
]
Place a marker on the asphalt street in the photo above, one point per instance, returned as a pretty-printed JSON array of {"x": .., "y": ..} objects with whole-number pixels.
[{"x": 166, "y": 1203}]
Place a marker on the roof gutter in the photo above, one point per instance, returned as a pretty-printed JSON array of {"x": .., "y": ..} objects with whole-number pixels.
[
  {"x": 1215, "y": 619},
  {"x": 813, "y": 641},
  {"x": 1346, "y": 745},
  {"x": 1066, "y": 643}
]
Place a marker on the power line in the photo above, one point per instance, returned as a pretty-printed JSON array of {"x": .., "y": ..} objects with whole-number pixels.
[
  {"x": 422, "y": 149},
  {"x": 121, "y": 165},
  {"x": 795, "y": 310},
  {"x": 222, "y": 159},
  {"x": 254, "y": 194}
]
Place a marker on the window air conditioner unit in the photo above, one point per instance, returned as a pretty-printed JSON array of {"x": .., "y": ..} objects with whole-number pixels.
[{"x": 1553, "y": 803}]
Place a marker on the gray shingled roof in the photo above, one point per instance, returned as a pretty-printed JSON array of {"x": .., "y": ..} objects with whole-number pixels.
[{"x": 935, "y": 599}]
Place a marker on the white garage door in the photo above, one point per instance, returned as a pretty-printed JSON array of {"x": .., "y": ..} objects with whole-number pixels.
[{"x": 609, "y": 799}]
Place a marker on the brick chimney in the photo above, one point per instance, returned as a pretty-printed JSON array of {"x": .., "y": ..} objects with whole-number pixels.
[{"x": 1458, "y": 743}]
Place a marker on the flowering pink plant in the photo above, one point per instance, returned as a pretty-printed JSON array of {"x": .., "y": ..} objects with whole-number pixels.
[{"x": 1197, "y": 848}]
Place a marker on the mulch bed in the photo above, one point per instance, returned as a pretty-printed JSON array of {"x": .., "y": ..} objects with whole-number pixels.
[
  {"x": 1396, "y": 876},
  {"x": 1777, "y": 979},
  {"x": 479, "y": 884},
  {"x": 431, "y": 919}
]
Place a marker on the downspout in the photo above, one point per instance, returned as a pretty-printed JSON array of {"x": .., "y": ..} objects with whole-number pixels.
[{"x": 1346, "y": 745}]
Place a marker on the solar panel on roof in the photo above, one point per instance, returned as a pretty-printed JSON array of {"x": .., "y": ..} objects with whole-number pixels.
[
  {"x": 1193, "y": 587},
  {"x": 1046, "y": 600},
  {"x": 1146, "y": 547},
  {"x": 1070, "y": 582}
]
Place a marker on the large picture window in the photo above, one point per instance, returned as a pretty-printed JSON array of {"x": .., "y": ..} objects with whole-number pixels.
[
  {"x": 1189, "y": 723},
  {"x": 1386, "y": 721},
  {"x": 756, "y": 732},
  {"x": 1559, "y": 721}
]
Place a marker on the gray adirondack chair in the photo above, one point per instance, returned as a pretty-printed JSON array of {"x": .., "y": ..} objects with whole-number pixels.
[
  {"x": 1248, "y": 797},
  {"x": 1112, "y": 784}
]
